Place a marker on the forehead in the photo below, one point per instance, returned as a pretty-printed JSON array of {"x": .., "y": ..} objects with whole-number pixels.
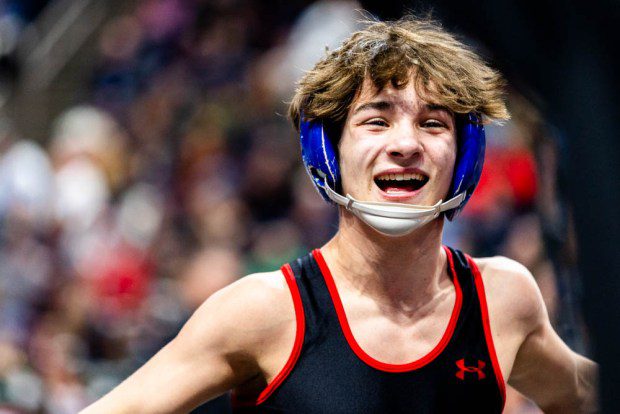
[{"x": 406, "y": 98}]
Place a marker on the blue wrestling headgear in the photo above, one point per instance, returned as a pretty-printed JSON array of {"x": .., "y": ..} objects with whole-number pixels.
[{"x": 320, "y": 159}]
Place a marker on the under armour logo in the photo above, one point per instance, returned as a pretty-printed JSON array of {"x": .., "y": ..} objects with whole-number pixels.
[{"x": 460, "y": 374}]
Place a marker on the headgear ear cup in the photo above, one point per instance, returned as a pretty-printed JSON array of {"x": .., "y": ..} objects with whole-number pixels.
[
  {"x": 469, "y": 159},
  {"x": 320, "y": 158}
]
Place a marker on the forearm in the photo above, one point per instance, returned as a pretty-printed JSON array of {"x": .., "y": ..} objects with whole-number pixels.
[
  {"x": 582, "y": 397},
  {"x": 168, "y": 383},
  {"x": 587, "y": 384},
  {"x": 113, "y": 403},
  {"x": 131, "y": 396},
  {"x": 129, "y": 399}
]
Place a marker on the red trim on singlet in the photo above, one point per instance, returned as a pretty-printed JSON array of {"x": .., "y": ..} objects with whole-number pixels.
[
  {"x": 346, "y": 329},
  {"x": 487, "y": 328},
  {"x": 296, "y": 351}
]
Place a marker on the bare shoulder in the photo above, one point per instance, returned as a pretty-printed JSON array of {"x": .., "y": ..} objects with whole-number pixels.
[
  {"x": 251, "y": 307},
  {"x": 255, "y": 292},
  {"x": 512, "y": 292},
  {"x": 249, "y": 318},
  {"x": 223, "y": 345}
]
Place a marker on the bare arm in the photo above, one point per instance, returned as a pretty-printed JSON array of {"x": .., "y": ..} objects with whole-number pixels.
[
  {"x": 551, "y": 374},
  {"x": 545, "y": 369},
  {"x": 220, "y": 347}
]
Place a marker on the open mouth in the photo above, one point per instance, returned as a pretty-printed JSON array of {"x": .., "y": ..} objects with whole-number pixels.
[{"x": 400, "y": 183}]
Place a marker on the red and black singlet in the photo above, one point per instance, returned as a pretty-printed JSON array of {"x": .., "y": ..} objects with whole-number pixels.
[{"x": 328, "y": 372}]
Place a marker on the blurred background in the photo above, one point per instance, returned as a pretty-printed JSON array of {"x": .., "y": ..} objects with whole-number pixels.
[{"x": 146, "y": 161}]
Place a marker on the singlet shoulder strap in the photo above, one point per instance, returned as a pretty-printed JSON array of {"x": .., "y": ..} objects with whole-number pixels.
[
  {"x": 300, "y": 329},
  {"x": 475, "y": 306},
  {"x": 460, "y": 265},
  {"x": 486, "y": 323},
  {"x": 320, "y": 315}
]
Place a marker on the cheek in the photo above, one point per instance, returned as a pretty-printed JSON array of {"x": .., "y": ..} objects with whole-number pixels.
[
  {"x": 444, "y": 156},
  {"x": 355, "y": 158},
  {"x": 450, "y": 160},
  {"x": 346, "y": 161}
]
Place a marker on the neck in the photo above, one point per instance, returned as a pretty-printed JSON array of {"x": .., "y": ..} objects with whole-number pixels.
[{"x": 400, "y": 271}]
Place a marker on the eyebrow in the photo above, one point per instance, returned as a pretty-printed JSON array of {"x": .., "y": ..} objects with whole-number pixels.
[
  {"x": 378, "y": 105},
  {"x": 436, "y": 107},
  {"x": 385, "y": 105}
]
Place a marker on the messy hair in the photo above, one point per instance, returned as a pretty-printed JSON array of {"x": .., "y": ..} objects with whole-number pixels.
[{"x": 444, "y": 71}]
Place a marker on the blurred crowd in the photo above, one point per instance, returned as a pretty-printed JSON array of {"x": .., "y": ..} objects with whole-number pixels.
[{"x": 180, "y": 174}]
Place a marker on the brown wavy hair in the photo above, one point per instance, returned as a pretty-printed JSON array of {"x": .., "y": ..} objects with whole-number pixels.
[{"x": 445, "y": 71}]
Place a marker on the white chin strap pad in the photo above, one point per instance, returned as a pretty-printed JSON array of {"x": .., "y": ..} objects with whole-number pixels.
[{"x": 393, "y": 219}]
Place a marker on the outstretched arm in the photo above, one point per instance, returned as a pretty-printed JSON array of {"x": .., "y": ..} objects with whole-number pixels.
[
  {"x": 532, "y": 356},
  {"x": 538, "y": 363},
  {"x": 220, "y": 347},
  {"x": 550, "y": 373}
]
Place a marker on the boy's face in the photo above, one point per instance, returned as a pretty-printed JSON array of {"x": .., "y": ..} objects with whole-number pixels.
[{"x": 396, "y": 147}]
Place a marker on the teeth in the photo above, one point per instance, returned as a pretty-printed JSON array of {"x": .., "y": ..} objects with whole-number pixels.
[{"x": 401, "y": 177}]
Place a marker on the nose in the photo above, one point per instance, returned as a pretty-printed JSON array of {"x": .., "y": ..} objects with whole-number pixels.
[{"x": 404, "y": 143}]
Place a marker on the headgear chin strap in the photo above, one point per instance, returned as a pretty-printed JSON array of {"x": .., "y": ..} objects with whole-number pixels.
[
  {"x": 396, "y": 219},
  {"x": 393, "y": 219}
]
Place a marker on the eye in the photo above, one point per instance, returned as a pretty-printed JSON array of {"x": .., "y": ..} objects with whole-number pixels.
[
  {"x": 433, "y": 124},
  {"x": 377, "y": 122}
]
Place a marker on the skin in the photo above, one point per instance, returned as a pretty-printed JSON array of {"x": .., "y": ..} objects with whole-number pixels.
[{"x": 392, "y": 289}]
